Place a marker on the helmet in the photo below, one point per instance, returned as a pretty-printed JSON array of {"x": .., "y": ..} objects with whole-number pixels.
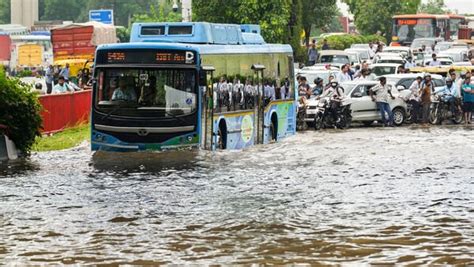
[
  {"x": 318, "y": 80},
  {"x": 38, "y": 86},
  {"x": 449, "y": 80},
  {"x": 334, "y": 84}
]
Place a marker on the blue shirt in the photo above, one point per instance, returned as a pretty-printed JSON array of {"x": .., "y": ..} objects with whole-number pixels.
[
  {"x": 49, "y": 75},
  {"x": 468, "y": 97},
  {"x": 65, "y": 73}
]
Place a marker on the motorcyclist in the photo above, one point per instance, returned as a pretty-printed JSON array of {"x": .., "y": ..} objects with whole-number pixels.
[
  {"x": 304, "y": 91},
  {"x": 449, "y": 90},
  {"x": 336, "y": 95},
  {"x": 319, "y": 86}
]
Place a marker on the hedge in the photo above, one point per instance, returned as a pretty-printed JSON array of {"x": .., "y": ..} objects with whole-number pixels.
[
  {"x": 341, "y": 42},
  {"x": 19, "y": 112}
]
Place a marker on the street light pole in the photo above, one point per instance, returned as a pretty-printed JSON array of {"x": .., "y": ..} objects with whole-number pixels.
[{"x": 186, "y": 9}]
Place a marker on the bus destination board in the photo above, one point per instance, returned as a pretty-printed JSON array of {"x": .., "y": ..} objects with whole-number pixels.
[{"x": 145, "y": 57}]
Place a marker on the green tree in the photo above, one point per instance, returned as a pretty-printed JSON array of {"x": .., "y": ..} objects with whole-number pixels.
[
  {"x": 62, "y": 9},
  {"x": 373, "y": 16},
  {"x": 318, "y": 14},
  {"x": 5, "y": 11},
  {"x": 433, "y": 7},
  {"x": 280, "y": 20}
]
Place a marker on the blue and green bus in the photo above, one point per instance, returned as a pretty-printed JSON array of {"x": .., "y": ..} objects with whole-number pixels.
[{"x": 192, "y": 85}]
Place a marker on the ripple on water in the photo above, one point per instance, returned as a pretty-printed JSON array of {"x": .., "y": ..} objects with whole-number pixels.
[{"x": 388, "y": 196}]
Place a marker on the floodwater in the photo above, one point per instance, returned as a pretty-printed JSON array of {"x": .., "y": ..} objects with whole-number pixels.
[{"x": 361, "y": 196}]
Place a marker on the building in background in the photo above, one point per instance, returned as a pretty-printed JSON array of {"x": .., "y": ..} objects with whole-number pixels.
[{"x": 24, "y": 12}]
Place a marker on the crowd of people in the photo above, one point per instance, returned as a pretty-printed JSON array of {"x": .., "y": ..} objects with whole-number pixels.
[{"x": 58, "y": 79}]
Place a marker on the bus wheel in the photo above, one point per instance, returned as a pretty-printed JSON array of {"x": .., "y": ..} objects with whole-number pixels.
[
  {"x": 222, "y": 136},
  {"x": 274, "y": 128}
]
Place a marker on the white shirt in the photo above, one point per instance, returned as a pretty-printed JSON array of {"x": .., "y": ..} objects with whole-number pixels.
[
  {"x": 342, "y": 77},
  {"x": 414, "y": 91},
  {"x": 435, "y": 63}
]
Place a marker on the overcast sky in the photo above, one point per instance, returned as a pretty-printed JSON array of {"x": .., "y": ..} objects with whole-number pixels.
[{"x": 462, "y": 6}]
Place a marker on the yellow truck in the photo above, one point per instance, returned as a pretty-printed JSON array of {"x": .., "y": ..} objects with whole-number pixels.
[{"x": 30, "y": 55}]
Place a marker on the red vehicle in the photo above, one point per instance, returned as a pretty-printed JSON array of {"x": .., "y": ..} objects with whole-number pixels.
[
  {"x": 5, "y": 49},
  {"x": 80, "y": 40},
  {"x": 406, "y": 28}
]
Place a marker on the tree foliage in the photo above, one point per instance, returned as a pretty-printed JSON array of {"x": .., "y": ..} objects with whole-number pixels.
[
  {"x": 318, "y": 14},
  {"x": 20, "y": 112},
  {"x": 433, "y": 7},
  {"x": 4, "y": 11},
  {"x": 61, "y": 9},
  {"x": 376, "y": 16}
]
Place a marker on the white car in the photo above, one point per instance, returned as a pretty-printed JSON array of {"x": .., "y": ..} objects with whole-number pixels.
[
  {"x": 311, "y": 74},
  {"x": 445, "y": 61},
  {"x": 365, "y": 110},
  {"x": 457, "y": 54},
  {"x": 381, "y": 69},
  {"x": 390, "y": 59},
  {"x": 403, "y": 50},
  {"x": 364, "y": 54},
  {"x": 403, "y": 81}
]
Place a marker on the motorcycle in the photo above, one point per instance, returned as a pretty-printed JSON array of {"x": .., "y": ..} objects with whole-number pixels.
[
  {"x": 301, "y": 124},
  {"x": 440, "y": 110},
  {"x": 325, "y": 118}
]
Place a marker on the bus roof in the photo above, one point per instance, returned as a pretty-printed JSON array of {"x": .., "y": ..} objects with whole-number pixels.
[
  {"x": 206, "y": 49},
  {"x": 420, "y": 16},
  {"x": 196, "y": 33},
  {"x": 456, "y": 16}
]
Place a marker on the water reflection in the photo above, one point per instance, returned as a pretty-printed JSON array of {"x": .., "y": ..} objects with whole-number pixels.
[{"x": 384, "y": 196}]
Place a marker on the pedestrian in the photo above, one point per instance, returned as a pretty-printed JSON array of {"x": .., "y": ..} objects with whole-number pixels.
[
  {"x": 371, "y": 50},
  {"x": 49, "y": 79},
  {"x": 379, "y": 94},
  {"x": 426, "y": 88},
  {"x": 344, "y": 75},
  {"x": 325, "y": 45},
  {"x": 312, "y": 53},
  {"x": 434, "y": 61},
  {"x": 409, "y": 63},
  {"x": 468, "y": 100},
  {"x": 84, "y": 78},
  {"x": 65, "y": 72},
  {"x": 414, "y": 99},
  {"x": 62, "y": 87}
]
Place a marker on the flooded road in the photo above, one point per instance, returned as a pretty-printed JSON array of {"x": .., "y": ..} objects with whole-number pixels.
[{"x": 378, "y": 196}]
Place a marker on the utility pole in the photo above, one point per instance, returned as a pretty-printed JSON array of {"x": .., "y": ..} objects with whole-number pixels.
[{"x": 186, "y": 9}]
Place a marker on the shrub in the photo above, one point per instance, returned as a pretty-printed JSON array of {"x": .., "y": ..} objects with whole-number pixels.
[
  {"x": 20, "y": 112},
  {"x": 341, "y": 42}
]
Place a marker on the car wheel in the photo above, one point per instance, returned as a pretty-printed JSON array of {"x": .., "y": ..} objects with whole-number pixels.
[{"x": 398, "y": 116}]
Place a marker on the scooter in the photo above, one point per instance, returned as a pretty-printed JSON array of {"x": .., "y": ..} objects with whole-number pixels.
[
  {"x": 325, "y": 118},
  {"x": 441, "y": 110}
]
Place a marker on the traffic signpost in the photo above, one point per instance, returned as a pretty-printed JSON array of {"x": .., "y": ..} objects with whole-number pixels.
[{"x": 105, "y": 16}]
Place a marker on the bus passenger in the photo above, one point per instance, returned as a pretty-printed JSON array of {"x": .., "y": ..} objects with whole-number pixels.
[
  {"x": 124, "y": 92},
  {"x": 249, "y": 94},
  {"x": 148, "y": 92}
]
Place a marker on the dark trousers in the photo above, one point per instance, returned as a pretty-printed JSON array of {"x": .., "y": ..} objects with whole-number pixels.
[
  {"x": 415, "y": 110},
  {"x": 49, "y": 88},
  {"x": 426, "y": 111},
  {"x": 385, "y": 108}
]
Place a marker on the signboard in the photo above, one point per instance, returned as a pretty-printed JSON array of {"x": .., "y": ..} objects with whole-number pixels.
[
  {"x": 145, "y": 57},
  {"x": 105, "y": 16}
]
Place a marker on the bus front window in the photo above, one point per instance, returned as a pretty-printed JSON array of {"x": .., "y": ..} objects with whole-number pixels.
[
  {"x": 411, "y": 32},
  {"x": 142, "y": 92}
]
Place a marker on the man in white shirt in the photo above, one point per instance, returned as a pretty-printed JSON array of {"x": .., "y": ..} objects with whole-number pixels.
[
  {"x": 61, "y": 87},
  {"x": 343, "y": 75},
  {"x": 434, "y": 62}
]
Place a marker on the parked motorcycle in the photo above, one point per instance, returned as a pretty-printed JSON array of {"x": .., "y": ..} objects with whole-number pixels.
[
  {"x": 440, "y": 110},
  {"x": 325, "y": 118}
]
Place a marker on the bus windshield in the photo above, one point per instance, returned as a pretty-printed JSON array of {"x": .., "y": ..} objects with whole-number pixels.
[
  {"x": 454, "y": 28},
  {"x": 146, "y": 91},
  {"x": 409, "y": 29}
]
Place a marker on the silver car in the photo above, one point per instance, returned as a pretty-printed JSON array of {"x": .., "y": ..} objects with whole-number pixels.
[{"x": 365, "y": 110}]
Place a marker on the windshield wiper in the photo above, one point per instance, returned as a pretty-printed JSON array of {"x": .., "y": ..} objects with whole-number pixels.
[{"x": 115, "y": 109}]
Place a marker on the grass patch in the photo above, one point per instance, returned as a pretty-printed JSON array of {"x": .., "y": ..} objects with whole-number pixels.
[{"x": 68, "y": 138}]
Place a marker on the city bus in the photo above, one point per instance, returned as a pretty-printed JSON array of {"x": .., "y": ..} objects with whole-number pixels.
[
  {"x": 192, "y": 85},
  {"x": 406, "y": 28}
]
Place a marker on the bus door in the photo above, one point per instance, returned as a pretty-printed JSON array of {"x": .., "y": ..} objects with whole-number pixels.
[
  {"x": 260, "y": 105},
  {"x": 207, "y": 106}
]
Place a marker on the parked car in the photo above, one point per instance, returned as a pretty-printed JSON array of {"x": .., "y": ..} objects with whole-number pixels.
[
  {"x": 444, "y": 60},
  {"x": 441, "y": 46},
  {"x": 363, "y": 53},
  {"x": 311, "y": 74},
  {"x": 365, "y": 110},
  {"x": 403, "y": 81},
  {"x": 456, "y": 54},
  {"x": 334, "y": 57},
  {"x": 390, "y": 59},
  {"x": 403, "y": 50},
  {"x": 381, "y": 69},
  {"x": 419, "y": 42}
]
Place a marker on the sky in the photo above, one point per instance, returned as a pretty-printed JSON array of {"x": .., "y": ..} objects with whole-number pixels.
[{"x": 462, "y": 6}]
